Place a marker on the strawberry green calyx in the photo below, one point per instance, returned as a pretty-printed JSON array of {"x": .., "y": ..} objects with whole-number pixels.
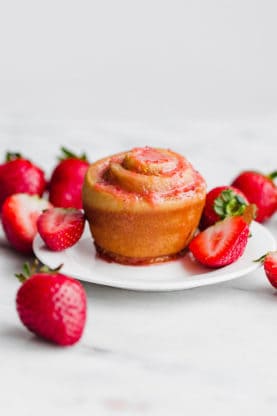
[
  {"x": 261, "y": 259},
  {"x": 25, "y": 274},
  {"x": 67, "y": 154},
  {"x": 273, "y": 175},
  {"x": 12, "y": 156},
  {"x": 36, "y": 267},
  {"x": 229, "y": 204}
]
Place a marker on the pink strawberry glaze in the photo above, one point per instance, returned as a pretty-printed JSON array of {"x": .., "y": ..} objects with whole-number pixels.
[{"x": 182, "y": 189}]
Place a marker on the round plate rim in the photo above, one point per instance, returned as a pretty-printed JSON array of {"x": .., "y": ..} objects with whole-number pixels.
[{"x": 214, "y": 275}]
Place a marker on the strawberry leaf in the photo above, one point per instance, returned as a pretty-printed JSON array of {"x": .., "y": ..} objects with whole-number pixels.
[
  {"x": 12, "y": 156},
  {"x": 228, "y": 204},
  {"x": 273, "y": 175},
  {"x": 26, "y": 273},
  {"x": 27, "y": 269},
  {"x": 67, "y": 154},
  {"x": 261, "y": 259},
  {"x": 36, "y": 267}
]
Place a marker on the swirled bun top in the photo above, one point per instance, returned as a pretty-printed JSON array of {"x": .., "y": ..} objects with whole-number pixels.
[
  {"x": 150, "y": 174},
  {"x": 150, "y": 161}
]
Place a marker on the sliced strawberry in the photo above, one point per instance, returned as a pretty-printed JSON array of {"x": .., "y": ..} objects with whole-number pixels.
[
  {"x": 222, "y": 243},
  {"x": 19, "y": 218},
  {"x": 61, "y": 228}
]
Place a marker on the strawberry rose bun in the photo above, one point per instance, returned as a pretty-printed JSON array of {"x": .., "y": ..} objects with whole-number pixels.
[{"x": 143, "y": 206}]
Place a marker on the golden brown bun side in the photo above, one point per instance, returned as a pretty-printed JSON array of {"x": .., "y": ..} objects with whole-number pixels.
[
  {"x": 145, "y": 203},
  {"x": 135, "y": 261},
  {"x": 145, "y": 234}
]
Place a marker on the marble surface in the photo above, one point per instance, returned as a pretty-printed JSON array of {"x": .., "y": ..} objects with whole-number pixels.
[{"x": 209, "y": 350}]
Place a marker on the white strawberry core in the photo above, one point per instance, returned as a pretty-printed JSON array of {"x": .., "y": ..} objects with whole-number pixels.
[
  {"x": 217, "y": 237},
  {"x": 31, "y": 206},
  {"x": 59, "y": 219}
]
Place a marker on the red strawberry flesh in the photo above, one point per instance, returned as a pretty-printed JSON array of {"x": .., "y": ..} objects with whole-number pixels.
[
  {"x": 221, "y": 244},
  {"x": 19, "y": 218},
  {"x": 61, "y": 228}
]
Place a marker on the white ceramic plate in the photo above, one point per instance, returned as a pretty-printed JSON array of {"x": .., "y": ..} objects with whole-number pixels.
[{"x": 81, "y": 262}]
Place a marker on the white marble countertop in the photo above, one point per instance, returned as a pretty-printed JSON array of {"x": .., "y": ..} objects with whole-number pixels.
[{"x": 210, "y": 350}]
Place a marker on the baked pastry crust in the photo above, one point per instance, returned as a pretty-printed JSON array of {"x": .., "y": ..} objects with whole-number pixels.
[{"x": 143, "y": 206}]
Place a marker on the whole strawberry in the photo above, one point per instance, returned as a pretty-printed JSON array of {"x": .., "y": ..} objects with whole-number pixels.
[
  {"x": 259, "y": 190},
  {"x": 19, "y": 175},
  {"x": 65, "y": 187},
  {"x": 270, "y": 267},
  {"x": 52, "y": 305},
  {"x": 222, "y": 243},
  {"x": 222, "y": 202},
  {"x": 269, "y": 262},
  {"x": 61, "y": 228},
  {"x": 19, "y": 219}
]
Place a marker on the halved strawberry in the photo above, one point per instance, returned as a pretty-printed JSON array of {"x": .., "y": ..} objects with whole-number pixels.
[
  {"x": 61, "y": 228},
  {"x": 222, "y": 243},
  {"x": 19, "y": 218}
]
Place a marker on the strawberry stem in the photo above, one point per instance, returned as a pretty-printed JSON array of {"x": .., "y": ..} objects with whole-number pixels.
[
  {"x": 36, "y": 267},
  {"x": 12, "y": 156},
  {"x": 273, "y": 175},
  {"x": 67, "y": 154},
  {"x": 261, "y": 259},
  {"x": 26, "y": 273},
  {"x": 27, "y": 269}
]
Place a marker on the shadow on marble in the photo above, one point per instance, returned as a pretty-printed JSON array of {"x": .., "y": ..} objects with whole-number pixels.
[
  {"x": 14, "y": 333},
  {"x": 106, "y": 293},
  {"x": 6, "y": 249},
  {"x": 4, "y": 245},
  {"x": 19, "y": 336}
]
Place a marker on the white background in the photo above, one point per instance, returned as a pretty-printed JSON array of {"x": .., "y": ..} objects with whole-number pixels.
[
  {"x": 198, "y": 76},
  {"x": 138, "y": 60}
]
